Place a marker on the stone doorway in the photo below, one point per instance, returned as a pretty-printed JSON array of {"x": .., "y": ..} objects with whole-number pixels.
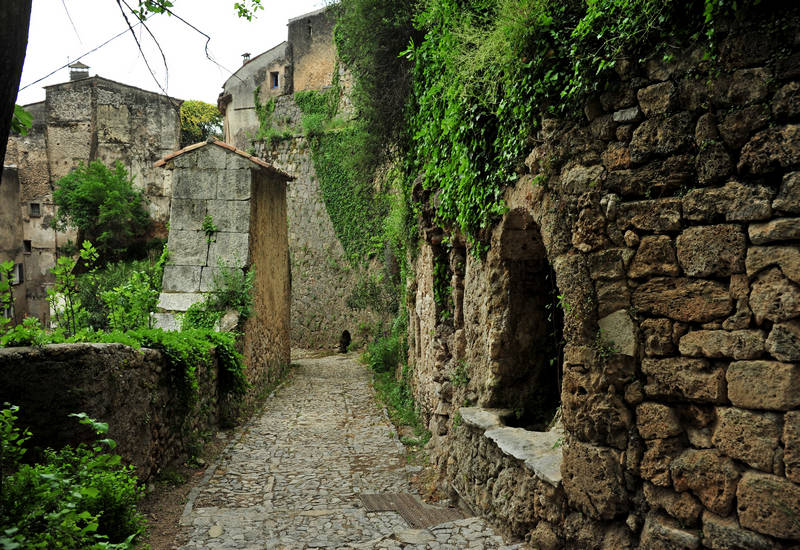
[{"x": 530, "y": 363}]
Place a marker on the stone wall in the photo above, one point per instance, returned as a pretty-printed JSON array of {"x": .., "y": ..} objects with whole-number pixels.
[
  {"x": 321, "y": 277},
  {"x": 313, "y": 51},
  {"x": 267, "y": 346},
  {"x": 245, "y": 199},
  {"x": 99, "y": 119},
  {"x": 11, "y": 248},
  {"x": 665, "y": 228},
  {"x": 136, "y": 391}
]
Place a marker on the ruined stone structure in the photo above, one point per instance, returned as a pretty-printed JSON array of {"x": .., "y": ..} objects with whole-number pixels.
[
  {"x": 305, "y": 62},
  {"x": 83, "y": 120},
  {"x": 12, "y": 245},
  {"x": 646, "y": 278},
  {"x": 244, "y": 198},
  {"x": 321, "y": 275},
  {"x": 134, "y": 391}
]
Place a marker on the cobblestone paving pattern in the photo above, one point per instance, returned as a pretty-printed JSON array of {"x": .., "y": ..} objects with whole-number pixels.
[{"x": 291, "y": 477}]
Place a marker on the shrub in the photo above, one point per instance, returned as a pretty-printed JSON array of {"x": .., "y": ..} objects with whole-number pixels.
[
  {"x": 232, "y": 289},
  {"x": 103, "y": 205},
  {"x": 384, "y": 354},
  {"x": 75, "y": 498}
]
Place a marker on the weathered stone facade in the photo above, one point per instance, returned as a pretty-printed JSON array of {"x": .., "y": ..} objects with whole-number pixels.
[
  {"x": 135, "y": 391},
  {"x": 11, "y": 242},
  {"x": 322, "y": 277},
  {"x": 245, "y": 199},
  {"x": 668, "y": 219},
  {"x": 81, "y": 121},
  {"x": 270, "y": 73}
]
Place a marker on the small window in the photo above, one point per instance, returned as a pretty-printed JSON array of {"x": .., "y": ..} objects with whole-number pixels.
[
  {"x": 26, "y": 247},
  {"x": 273, "y": 80},
  {"x": 310, "y": 32},
  {"x": 18, "y": 276},
  {"x": 36, "y": 210}
]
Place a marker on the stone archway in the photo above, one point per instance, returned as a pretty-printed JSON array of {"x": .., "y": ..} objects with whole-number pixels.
[{"x": 528, "y": 366}]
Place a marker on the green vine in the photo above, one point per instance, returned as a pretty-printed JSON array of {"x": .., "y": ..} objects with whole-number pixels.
[
  {"x": 485, "y": 71},
  {"x": 346, "y": 173}
]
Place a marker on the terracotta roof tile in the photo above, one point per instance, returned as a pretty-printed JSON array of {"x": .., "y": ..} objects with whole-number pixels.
[{"x": 255, "y": 160}]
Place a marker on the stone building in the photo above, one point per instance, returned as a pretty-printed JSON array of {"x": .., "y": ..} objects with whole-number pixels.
[
  {"x": 305, "y": 62},
  {"x": 87, "y": 119},
  {"x": 12, "y": 245},
  {"x": 322, "y": 276},
  {"x": 245, "y": 200},
  {"x": 645, "y": 282},
  {"x": 269, "y": 73}
]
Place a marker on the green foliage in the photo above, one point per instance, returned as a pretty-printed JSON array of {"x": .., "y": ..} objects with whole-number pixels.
[
  {"x": 487, "y": 69},
  {"x": 28, "y": 333},
  {"x": 232, "y": 289},
  {"x": 6, "y": 292},
  {"x": 63, "y": 295},
  {"x": 12, "y": 440},
  {"x": 93, "y": 285},
  {"x": 104, "y": 206},
  {"x": 199, "y": 121},
  {"x": 246, "y": 9},
  {"x": 373, "y": 291},
  {"x": 459, "y": 376},
  {"x": 200, "y": 316},
  {"x": 385, "y": 354},
  {"x": 75, "y": 498},
  {"x": 209, "y": 228},
  {"x": 21, "y": 122},
  {"x": 369, "y": 37}
]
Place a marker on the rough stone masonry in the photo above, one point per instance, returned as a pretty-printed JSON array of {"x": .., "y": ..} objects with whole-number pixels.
[{"x": 670, "y": 220}]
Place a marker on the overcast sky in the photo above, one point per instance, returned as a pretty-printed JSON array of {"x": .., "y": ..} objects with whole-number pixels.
[{"x": 53, "y": 41}]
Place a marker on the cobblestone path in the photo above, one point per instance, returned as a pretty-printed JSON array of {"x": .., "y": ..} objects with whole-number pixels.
[{"x": 290, "y": 479}]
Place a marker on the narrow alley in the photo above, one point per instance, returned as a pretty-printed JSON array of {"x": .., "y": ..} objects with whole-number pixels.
[{"x": 293, "y": 476}]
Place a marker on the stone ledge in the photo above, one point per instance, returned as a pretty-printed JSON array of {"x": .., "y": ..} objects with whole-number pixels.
[
  {"x": 178, "y": 301},
  {"x": 484, "y": 419},
  {"x": 539, "y": 451}
]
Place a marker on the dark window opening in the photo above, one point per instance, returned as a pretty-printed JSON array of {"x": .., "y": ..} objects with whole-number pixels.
[
  {"x": 273, "y": 79},
  {"x": 35, "y": 210},
  {"x": 18, "y": 276},
  {"x": 310, "y": 32},
  {"x": 530, "y": 367},
  {"x": 26, "y": 247}
]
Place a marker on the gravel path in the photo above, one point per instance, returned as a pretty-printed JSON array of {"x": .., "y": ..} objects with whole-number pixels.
[{"x": 291, "y": 477}]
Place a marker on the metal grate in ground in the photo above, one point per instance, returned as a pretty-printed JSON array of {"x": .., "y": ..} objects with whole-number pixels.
[{"x": 417, "y": 514}]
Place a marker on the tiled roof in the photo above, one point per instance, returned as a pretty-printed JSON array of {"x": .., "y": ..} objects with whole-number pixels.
[{"x": 255, "y": 160}]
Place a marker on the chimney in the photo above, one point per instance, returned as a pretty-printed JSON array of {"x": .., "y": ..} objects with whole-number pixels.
[
  {"x": 245, "y": 58},
  {"x": 78, "y": 70}
]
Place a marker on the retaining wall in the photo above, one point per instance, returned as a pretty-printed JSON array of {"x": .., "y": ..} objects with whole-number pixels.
[{"x": 135, "y": 391}]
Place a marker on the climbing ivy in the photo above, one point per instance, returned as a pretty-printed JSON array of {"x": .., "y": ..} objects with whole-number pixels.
[
  {"x": 345, "y": 172},
  {"x": 485, "y": 71}
]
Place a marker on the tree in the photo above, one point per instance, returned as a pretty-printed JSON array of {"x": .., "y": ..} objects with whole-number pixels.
[
  {"x": 15, "y": 16},
  {"x": 199, "y": 121},
  {"x": 103, "y": 205}
]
